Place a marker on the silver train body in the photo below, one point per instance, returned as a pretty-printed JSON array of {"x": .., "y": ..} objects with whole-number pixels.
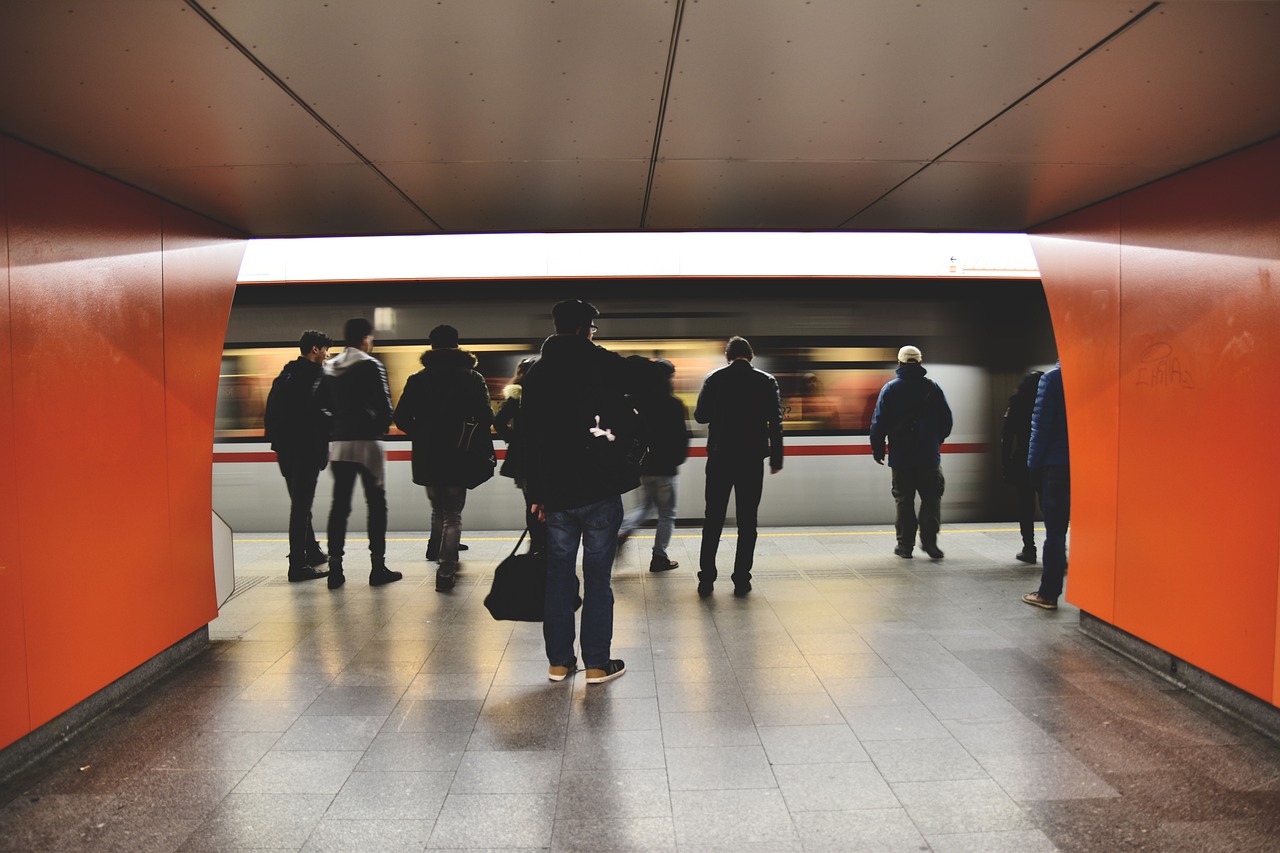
[{"x": 831, "y": 343}]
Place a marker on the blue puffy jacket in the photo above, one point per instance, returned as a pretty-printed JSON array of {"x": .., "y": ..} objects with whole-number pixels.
[
  {"x": 901, "y": 403},
  {"x": 1048, "y": 444}
]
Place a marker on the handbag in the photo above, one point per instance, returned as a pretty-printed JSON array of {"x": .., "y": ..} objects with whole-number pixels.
[
  {"x": 478, "y": 457},
  {"x": 519, "y": 589}
]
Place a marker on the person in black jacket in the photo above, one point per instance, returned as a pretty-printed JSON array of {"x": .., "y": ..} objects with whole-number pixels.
[
  {"x": 1014, "y": 439},
  {"x": 577, "y": 429},
  {"x": 744, "y": 410},
  {"x": 506, "y": 423},
  {"x": 439, "y": 401},
  {"x": 361, "y": 416},
  {"x": 664, "y": 426},
  {"x": 296, "y": 423},
  {"x": 912, "y": 413}
]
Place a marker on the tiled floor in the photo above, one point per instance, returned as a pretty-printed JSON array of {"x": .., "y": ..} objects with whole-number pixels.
[{"x": 854, "y": 701}]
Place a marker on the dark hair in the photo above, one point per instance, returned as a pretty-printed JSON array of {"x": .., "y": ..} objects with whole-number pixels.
[
  {"x": 443, "y": 337},
  {"x": 664, "y": 367},
  {"x": 311, "y": 338},
  {"x": 356, "y": 330},
  {"x": 572, "y": 314},
  {"x": 738, "y": 348}
]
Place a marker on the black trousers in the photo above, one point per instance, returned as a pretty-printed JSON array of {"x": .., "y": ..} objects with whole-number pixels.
[
  {"x": 745, "y": 478},
  {"x": 344, "y": 484},
  {"x": 300, "y": 479}
]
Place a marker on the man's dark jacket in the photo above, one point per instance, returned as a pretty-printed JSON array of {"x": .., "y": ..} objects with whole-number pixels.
[
  {"x": 573, "y": 383},
  {"x": 361, "y": 399},
  {"x": 744, "y": 410},
  {"x": 437, "y": 401},
  {"x": 297, "y": 418},
  {"x": 913, "y": 409},
  {"x": 664, "y": 425}
]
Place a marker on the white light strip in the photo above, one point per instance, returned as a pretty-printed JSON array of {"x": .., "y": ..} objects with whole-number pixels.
[{"x": 639, "y": 255}]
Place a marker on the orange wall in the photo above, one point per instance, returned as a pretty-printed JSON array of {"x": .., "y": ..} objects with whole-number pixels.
[
  {"x": 1166, "y": 305},
  {"x": 115, "y": 311}
]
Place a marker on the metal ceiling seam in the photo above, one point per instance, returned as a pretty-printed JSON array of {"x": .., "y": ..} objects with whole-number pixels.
[
  {"x": 677, "y": 21},
  {"x": 1114, "y": 34},
  {"x": 301, "y": 102}
]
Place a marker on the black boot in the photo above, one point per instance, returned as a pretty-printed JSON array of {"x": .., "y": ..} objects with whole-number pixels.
[
  {"x": 380, "y": 575},
  {"x": 336, "y": 577}
]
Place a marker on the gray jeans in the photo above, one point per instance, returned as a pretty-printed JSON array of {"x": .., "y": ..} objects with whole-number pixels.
[{"x": 446, "y": 522}]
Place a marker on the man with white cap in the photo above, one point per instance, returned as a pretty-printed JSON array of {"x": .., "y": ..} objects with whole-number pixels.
[{"x": 912, "y": 413}]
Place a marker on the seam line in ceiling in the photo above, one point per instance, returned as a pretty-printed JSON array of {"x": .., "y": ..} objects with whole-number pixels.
[
  {"x": 662, "y": 109},
  {"x": 1047, "y": 80},
  {"x": 284, "y": 87}
]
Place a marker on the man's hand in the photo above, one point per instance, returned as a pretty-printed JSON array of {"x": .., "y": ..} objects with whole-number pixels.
[{"x": 538, "y": 511}]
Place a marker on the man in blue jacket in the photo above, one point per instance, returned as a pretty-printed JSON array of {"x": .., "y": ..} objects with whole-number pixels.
[
  {"x": 912, "y": 413},
  {"x": 1049, "y": 459}
]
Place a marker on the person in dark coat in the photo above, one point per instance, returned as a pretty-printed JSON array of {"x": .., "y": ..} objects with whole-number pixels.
[
  {"x": 1014, "y": 439},
  {"x": 296, "y": 423},
  {"x": 577, "y": 430},
  {"x": 506, "y": 423},
  {"x": 1049, "y": 458},
  {"x": 664, "y": 425},
  {"x": 442, "y": 398},
  {"x": 743, "y": 409},
  {"x": 361, "y": 416},
  {"x": 912, "y": 413}
]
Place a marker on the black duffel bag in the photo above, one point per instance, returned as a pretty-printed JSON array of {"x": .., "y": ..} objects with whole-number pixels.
[{"x": 519, "y": 588}]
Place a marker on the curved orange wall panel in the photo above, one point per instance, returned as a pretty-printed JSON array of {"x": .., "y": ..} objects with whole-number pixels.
[
  {"x": 118, "y": 307},
  {"x": 15, "y": 717},
  {"x": 1197, "y": 510}
]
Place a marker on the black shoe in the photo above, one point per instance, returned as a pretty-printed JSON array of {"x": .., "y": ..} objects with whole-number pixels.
[
  {"x": 740, "y": 590},
  {"x": 1026, "y": 555},
  {"x": 704, "y": 590},
  {"x": 381, "y": 575},
  {"x": 444, "y": 581},
  {"x": 608, "y": 672},
  {"x": 336, "y": 577},
  {"x": 316, "y": 558},
  {"x": 433, "y": 553},
  {"x": 305, "y": 573},
  {"x": 462, "y": 547},
  {"x": 623, "y": 537},
  {"x": 904, "y": 553},
  {"x": 934, "y": 552},
  {"x": 662, "y": 564}
]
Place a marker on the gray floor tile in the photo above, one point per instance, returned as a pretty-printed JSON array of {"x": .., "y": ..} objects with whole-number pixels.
[
  {"x": 291, "y": 772},
  {"x": 587, "y": 794},
  {"x": 414, "y": 751},
  {"x": 872, "y": 830},
  {"x": 711, "y": 768},
  {"x": 330, "y": 733},
  {"x": 972, "y": 805},
  {"x": 734, "y": 820},
  {"x": 393, "y": 836},
  {"x": 821, "y": 744},
  {"x": 614, "y": 835},
  {"x": 833, "y": 787},
  {"x": 930, "y": 760},
  {"x": 522, "y": 772},
  {"x": 244, "y": 821},
  {"x": 391, "y": 795},
  {"x": 495, "y": 821}
]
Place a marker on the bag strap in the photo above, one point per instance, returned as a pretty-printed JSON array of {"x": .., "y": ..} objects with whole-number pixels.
[{"x": 519, "y": 542}]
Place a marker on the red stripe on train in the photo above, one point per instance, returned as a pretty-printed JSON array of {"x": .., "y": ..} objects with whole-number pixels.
[{"x": 791, "y": 450}]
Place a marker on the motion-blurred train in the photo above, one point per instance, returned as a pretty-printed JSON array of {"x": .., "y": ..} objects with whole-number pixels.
[{"x": 831, "y": 343}]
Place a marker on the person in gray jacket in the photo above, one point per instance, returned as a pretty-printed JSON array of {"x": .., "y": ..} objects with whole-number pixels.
[{"x": 361, "y": 416}]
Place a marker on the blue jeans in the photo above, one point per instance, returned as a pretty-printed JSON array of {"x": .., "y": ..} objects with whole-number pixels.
[
  {"x": 596, "y": 527},
  {"x": 659, "y": 493},
  {"x": 1055, "y": 502}
]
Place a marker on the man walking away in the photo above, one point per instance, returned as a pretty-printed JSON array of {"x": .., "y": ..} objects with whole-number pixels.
[
  {"x": 912, "y": 412},
  {"x": 441, "y": 405},
  {"x": 297, "y": 425},
  {"x": 743, "y": 409},
  {"x": 1049, "y": 458},
  {"x": 361, "y": 416},
  {"x": 576, "y": 431}
]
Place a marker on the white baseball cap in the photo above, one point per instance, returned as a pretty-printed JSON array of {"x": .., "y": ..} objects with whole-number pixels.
[{"x": 909, "y": 355}]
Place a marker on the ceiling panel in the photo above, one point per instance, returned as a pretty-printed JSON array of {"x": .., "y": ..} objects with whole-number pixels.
[
  {"x": 582, "y": 195},
  {"x": 701, "y": 195},
  {"x": 1186, "y": 83},
  {"x": 467, "y": 81},
  {"x": 862, "y": 79}
]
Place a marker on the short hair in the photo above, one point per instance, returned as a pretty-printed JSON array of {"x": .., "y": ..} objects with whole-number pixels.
[
  {"x": 311, "y": 338},
  {"x": 356, "y": 330},
  {"x": 664, "y": 367},
  {"x": 443, "y": 337},
  {"x": 572, "y": 314},
  {"x": 738, "y": 347}
]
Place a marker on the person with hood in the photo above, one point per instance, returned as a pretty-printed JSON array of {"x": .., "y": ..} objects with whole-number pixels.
[
  {"x": 296, "y": 423},
  {"x": 743, "y": 410},
  {"x": 577, "y": 433},
  {"x": 361, "y": 416},
  {"x": 443, "y": 405},
  {"x": 912, "y": 413},
  {"x": 506, "y": 423},
  {"x": 1014, "y": 438},
  {"x": 1049, "y": 458},
  {"x": 664, "y": 423}
]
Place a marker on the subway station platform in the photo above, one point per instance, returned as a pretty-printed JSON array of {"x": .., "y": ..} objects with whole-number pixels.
[{"x": 854, "y": 701}]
